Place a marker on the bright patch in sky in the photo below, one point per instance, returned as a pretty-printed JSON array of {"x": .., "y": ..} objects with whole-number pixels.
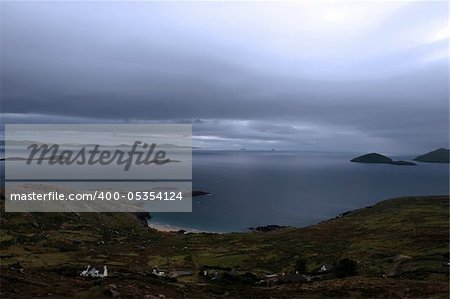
[
  {"x": 334, "y": 16},
  {"x": 442, "y": 34}
]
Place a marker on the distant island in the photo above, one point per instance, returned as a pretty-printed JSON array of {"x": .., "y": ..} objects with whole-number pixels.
[
  {"x": 380, "y": 159},
  {"x": 438, "y": 156},
  {"x": 199, "y": 193}
]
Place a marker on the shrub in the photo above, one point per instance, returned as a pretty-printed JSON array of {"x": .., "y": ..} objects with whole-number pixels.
[
  {"x": 300, "y": 265},
  {"x": 346, "y": 267}
]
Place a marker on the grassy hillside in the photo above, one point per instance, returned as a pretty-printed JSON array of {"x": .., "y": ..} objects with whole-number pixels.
[{"x": 399, "y": 246}]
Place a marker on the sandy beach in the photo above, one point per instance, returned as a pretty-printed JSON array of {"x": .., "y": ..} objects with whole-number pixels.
[{"x": 172, "y": 228}]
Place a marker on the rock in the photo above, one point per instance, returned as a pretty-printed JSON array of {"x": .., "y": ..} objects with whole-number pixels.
[
  {"x": 143, "y": 217},
  {"x": 112, "y": 291},
  {"x": 16, "y": 267},
  {"x": 267, "y": 228},
  {"x": 402, "y": 163},
  {"x": 199, "y": 193}
]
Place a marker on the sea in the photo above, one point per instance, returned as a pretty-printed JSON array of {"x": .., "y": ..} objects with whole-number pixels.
[{"x": 293, "y": 188}]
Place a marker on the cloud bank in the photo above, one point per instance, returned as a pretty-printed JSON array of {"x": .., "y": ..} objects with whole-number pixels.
[{"x": 295, "y": 75}]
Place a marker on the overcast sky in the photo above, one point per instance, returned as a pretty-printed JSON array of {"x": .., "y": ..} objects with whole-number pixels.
[{"x": 368, "y": 76}]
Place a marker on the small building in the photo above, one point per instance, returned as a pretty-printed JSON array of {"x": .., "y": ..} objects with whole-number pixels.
[
  {"x": 323, "y": 269},
  {"x": 158, "y": 272},
  {"x": 95, "y": 271}
]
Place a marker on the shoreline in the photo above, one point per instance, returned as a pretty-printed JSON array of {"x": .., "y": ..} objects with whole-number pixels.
[{"x": 167, "y": 228}]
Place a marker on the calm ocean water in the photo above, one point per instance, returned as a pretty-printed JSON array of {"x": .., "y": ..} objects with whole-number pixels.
[
  {"x": 251, "y": 188},
  {"x": 256, "y": 188}
]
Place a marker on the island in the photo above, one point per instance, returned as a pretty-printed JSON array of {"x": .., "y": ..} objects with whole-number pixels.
[
  {"x": 199, "y": 193},
  {"x": 380, "y": 159},
  {"x": 440, "y": 155}
]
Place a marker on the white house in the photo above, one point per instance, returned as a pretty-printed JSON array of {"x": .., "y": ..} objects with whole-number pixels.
[
  {"x": 95, "y": 271},
  {"x": 157, "y": 272}
]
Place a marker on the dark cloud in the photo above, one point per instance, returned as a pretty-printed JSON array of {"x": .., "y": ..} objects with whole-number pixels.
[{"x": 116, "y": 64}]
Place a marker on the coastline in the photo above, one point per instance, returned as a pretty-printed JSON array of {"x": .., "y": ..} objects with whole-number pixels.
[{"x": 167, "y": 228}]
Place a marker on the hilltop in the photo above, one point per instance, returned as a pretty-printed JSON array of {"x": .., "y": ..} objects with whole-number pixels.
[
  {"x": 398, "y": 246},
  {"x": 441, "y": 155}
]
